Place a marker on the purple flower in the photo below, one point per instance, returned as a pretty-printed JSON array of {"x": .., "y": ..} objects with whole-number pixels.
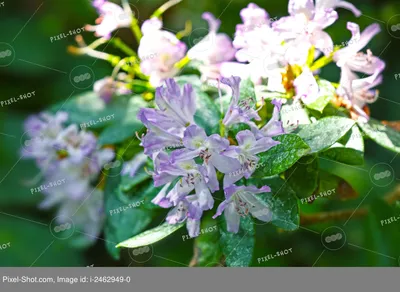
[
  {"x": 131, "y": 167},
  {"x": 187, "y": 209},
  {"x": 327, "y": 4},
  {"x": 274, "y": 127},
  {"x": 241, "y": 201},
  {"x": 239, "y": 111},
  {"x": 355, "y": 90},
  {"x": 166, "y": 125},
  {"x": 190, "y": 176},
  {"x": 351, "y": 57},
  {"x": 111, "y": 18},
  {"x": 246, "y": 153},
  {"x": 209, "y": 149},
  {"x": 72, "y": 159},
  {"x": 42, "y": 131},
  {"x": 212, "y": 50},
  {"x": 107, "y": 87},
  {"x": 159, "y": 51}
]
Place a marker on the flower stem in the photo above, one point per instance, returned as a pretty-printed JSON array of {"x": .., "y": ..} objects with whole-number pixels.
[
  {"x": 118, "y": 43},
  {"x": 160, "y": 11}
]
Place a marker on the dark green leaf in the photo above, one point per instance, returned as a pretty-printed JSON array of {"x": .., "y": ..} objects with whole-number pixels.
[
  {"x": 350, "y": 151},
  {"x": 381, "y": 134},
  {"x": 303, "y": 176},
  {"x": 119, "y": 133},
  {"x": 324, "y": 133},
  {"x": 207, "y": 249},
  {"x": 282, "y": 202},
  {"x": 238, "y": 247},
  {"x": 381, "y": 225},
  {"x": 124, "y": 219},
  {"x": 281, "y": 157}
]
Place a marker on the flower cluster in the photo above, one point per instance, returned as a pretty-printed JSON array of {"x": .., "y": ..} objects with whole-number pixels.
[
  {"x": 272, "y": 49},
  {"x": 281, "y": 51},
  {"x": 188, "y": 175},
  {"x": 65, "y": 153}
]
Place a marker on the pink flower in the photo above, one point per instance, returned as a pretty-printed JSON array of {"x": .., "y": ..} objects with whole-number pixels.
[
  {"x": 111, "y": 18},
  {"x": 213, "y": 49},
  {"x": 166, "y": 50}
]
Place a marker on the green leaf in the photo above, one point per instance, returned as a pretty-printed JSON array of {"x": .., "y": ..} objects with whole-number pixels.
[
  {"x": 282, "y": 202},
  {"x": 151, "y": 236},
  {"x": 207, "y": 249},
  {"x": 281, "y": 157},
  {"x": 119, "y": 133},
  {"x": 123, "y": 218},
  {"x": 18, "y": 233},
  {"x": 349, "y": 150},
  {"x": 381, "y": 134},
  {"x": 208, "y": 114},
  {"x": 247, "y": 91},
  {"x": 126, "y": 125},
  {"x": 118, "y": 117},
  {"x": 326, "y": 92},
  {"x": 303, "y": 176},
  {"x": 238, "y": 247},
  {"x": 381, "y": 227},
  {"x": 325, "y": 132}
]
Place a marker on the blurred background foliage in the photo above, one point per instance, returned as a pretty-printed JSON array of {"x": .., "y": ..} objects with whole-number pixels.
[{"x": 30, "y": 243}]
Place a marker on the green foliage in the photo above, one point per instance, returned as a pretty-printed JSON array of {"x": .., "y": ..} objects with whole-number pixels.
[
  {"x": 238, "y": 247},
  {"x": 208, "y": 251},
  {"x": 117, "y": 119},
  {"x": 349, "y": 150},
  {"x": 326, "y": 92},
  {"x": 325, "y": 132},
  {"x": 281, "y": 201},
  {"x": 123, "y": 218},
  {"x": 307, "y": 167},
  {"x": 281, "y": 157},
  {"x": 151, "y": 236},
  {"x": 381, "y": 134}
]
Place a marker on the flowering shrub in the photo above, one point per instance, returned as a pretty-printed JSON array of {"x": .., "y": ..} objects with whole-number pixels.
[{"x": 229, "y": 131}]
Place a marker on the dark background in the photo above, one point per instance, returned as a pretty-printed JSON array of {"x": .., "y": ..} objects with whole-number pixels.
[{"x": 43, "y": 67}]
